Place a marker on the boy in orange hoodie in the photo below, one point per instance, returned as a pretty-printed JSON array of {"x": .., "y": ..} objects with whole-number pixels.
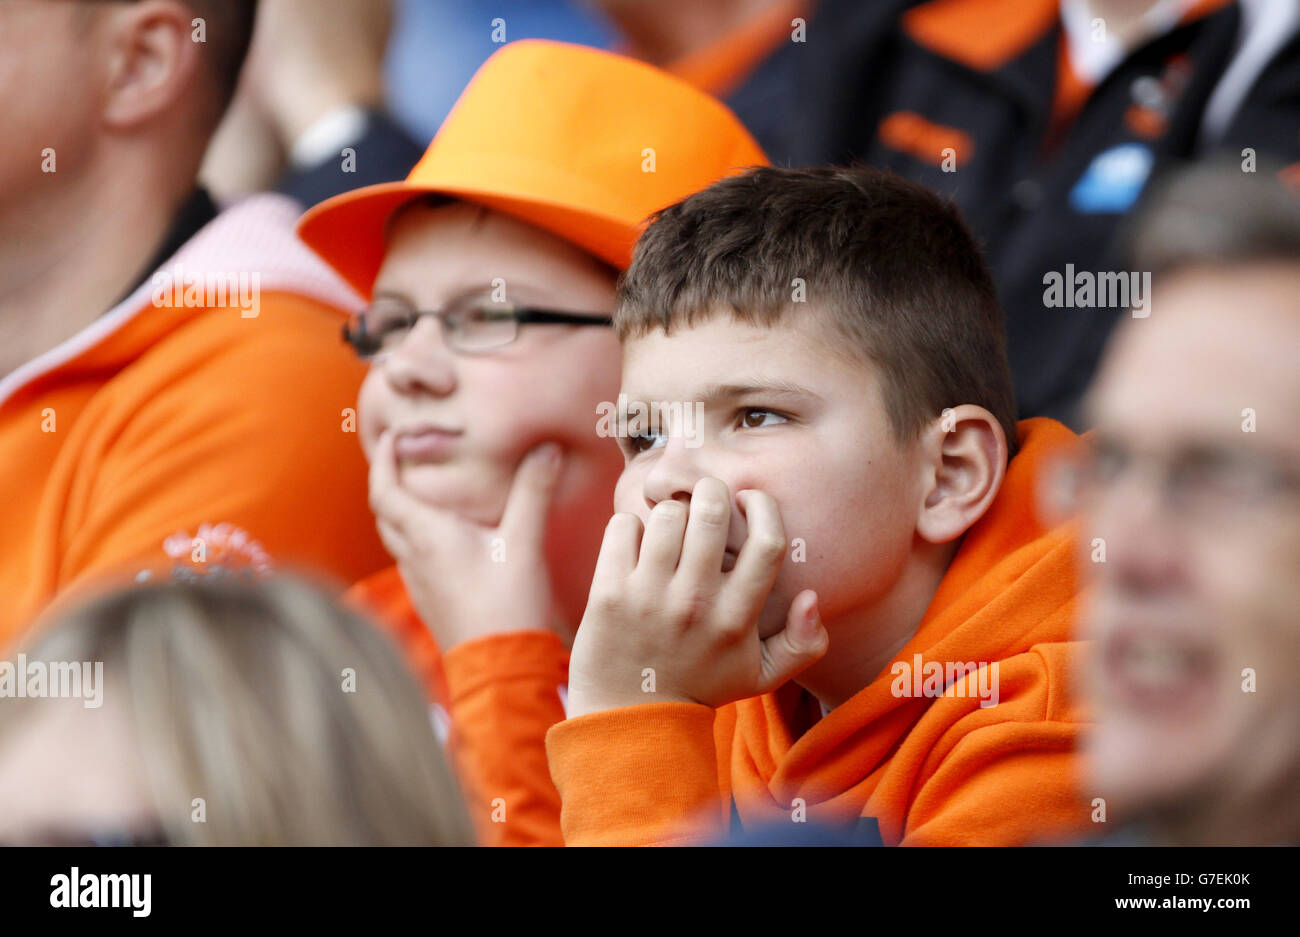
[
  {"x": 826, "y": 596},
  {"x": 511, "y": 232}
]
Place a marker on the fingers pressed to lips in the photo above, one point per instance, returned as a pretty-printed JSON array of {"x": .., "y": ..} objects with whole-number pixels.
[
  {"x": 706, "y": 531},
  {"x": 662, "y": 544},
  {"x": 761, "y": 555},
  {"x": 618, "y": 551}
]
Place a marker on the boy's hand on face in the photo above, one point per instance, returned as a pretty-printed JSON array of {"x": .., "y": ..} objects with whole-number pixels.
[
  {"x": 663, "y": 614},
  {"x": 466, "y": 580}
]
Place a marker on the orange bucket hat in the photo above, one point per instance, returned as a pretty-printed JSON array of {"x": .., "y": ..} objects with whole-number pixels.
[{"x": 582, "y": 143}]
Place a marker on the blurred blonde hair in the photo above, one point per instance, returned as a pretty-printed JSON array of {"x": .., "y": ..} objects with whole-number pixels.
[{"x": 236, "y": 693}]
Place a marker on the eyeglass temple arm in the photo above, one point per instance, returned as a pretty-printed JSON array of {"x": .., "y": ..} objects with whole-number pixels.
[{"x": 528, "y": 314}]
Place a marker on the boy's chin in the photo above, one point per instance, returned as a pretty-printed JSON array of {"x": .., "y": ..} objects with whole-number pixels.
[{"x": 472, "y": 498}]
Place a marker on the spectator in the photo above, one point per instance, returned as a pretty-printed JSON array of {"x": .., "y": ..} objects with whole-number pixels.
[
  {"x": 172, "y": 386},
  {"x": 226, "y": 712},
  {"x": 1191, "y": 533}
]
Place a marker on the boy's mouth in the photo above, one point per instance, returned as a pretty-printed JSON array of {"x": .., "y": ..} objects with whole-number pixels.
[{"x": 424, "y": 443}]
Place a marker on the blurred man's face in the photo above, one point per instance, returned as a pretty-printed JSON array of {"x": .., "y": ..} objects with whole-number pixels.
[
  {"x": 46, "y": 96},
  {"x": 1195, "y": 608}
]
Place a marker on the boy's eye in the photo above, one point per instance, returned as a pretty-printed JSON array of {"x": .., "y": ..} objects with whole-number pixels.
[
  {"x": 637, "y": 443},
  {"x": 386, "y": 325},
  {"x": 390, "y": 331},
  {"x": 754, "y": 417}
]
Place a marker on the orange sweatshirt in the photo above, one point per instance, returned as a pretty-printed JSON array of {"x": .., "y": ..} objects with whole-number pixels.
[
  {"x": 183, "y": 427},
  {"x": 932, "y": 769},
  {"x": 494, "y": 699}
]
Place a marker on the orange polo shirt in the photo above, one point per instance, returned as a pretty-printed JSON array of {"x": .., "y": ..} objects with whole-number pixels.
[{"x": 175, "y": 430}]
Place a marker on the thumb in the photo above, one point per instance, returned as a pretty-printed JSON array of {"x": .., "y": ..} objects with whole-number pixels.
[
  {"x": 530, "y": 495},
  {"x": 796, "y": 647}
]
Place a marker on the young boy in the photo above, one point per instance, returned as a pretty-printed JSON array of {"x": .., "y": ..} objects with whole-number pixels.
[
  {"x": 842, "y": 511},
  {"x": 513, "y": 227}
]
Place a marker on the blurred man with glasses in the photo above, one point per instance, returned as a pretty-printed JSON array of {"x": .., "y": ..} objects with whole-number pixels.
[{"x": 1190, "y": 496}]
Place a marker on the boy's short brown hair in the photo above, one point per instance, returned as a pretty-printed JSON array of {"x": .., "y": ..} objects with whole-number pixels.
[{"x": 899, "y": 271}]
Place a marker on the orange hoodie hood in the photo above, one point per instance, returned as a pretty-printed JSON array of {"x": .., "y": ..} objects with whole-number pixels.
[{"x": 1004, "y": 610}]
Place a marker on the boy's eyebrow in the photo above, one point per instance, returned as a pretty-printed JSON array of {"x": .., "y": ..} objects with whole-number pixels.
[
  {"x": 468, "y": 291},
  {"x": 714, "y": 393}
]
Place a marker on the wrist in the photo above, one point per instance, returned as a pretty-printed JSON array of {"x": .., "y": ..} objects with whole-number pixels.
[
  {"x": 327, "y": 135},
  {"x": 585, "y": 701}
]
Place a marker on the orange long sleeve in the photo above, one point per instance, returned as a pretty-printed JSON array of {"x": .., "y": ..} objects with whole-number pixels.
[
  {"x": 638, "y": 776},
  {"x": 504, "y": 694}
]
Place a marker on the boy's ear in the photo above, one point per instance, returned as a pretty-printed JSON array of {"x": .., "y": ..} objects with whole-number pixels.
[{"x": 964, "y": 459}]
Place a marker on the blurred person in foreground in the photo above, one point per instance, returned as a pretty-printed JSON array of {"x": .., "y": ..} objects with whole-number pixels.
[
  {"x": 172, "y": 386},
  {"x": 226, "y": 712},
  {"x": 1191, "y": 531}
]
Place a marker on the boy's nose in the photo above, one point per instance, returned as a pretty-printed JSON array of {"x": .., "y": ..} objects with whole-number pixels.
[
  {"x": 422, "y": 363},
  {"x": 674, "y": 473}
]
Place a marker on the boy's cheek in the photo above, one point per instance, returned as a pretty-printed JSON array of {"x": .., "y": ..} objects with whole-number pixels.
[{"x": 371, "y": 409}]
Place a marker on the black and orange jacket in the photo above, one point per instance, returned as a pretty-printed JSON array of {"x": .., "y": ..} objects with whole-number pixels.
[{"x": 1043, "y": 165}]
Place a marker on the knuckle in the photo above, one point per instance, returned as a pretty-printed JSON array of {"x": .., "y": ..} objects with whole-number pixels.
[
  {"x": 689, "y": 608},
  {"x": 710, "y": 511},
  {"x": 624, "y": 519},
  {"x": 731, "y": 628},
  {"x": 769, "y": 547},
  {"x": 607, "y": 598}
]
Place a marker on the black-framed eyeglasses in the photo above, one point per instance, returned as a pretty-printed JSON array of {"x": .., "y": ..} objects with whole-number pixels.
[{"x": 470, "y": 325}]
